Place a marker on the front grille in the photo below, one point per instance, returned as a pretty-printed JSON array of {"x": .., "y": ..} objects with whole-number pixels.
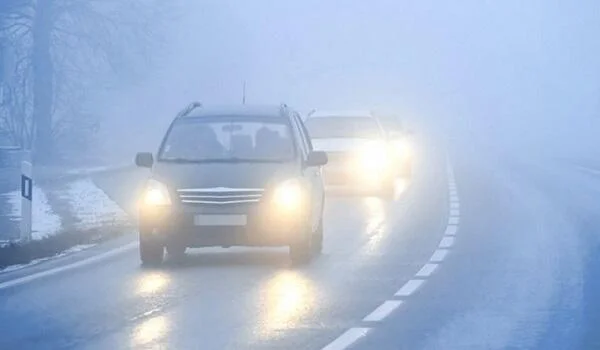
[{"x": 219, "y": 195}]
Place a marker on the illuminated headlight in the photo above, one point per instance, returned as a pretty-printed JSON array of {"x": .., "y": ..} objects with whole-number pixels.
[
  {"x": 374, "y": 157},
  {"x": 402, "y": 148},
  {"x": 288, "y": 195},
  {"x": 156, "y": 194}
]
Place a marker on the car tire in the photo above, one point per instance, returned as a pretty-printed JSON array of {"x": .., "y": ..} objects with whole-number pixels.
[
  {"x": 317, "y": 239},
  {"x": 176, "y": 251},
  {"x": 151, "y": 252},
  {"x": 301, "y": 249}
]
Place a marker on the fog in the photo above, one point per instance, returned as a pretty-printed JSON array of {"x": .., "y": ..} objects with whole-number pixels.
[{"x": 523, "y": 74}]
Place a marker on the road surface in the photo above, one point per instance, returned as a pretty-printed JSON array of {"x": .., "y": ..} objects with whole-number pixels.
[{"x": 494, "y": 252}]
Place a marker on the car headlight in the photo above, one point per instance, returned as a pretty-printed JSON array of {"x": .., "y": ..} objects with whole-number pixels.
[
  {"x": 402, "y": 148},
  {"x": 288, "y": 195},
  {"x": 374, "y": 157},
  {"x": 156, "y": 194}
]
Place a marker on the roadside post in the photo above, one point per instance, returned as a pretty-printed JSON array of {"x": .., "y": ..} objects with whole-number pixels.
[{"x": 26, "y": 198}]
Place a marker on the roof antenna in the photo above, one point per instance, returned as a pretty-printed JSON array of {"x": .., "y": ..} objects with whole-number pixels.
[{"x": 244, "y": 93}]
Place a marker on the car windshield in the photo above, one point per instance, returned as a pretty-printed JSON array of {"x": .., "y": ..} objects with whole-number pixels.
[
  {"x": 343, "y": 127},
  {"x": 225, "y": 139}
]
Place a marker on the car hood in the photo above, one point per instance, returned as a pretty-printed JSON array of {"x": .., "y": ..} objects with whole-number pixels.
[
  {"x": 339, "y": 144},
  {"x": 227, "y": 175}
]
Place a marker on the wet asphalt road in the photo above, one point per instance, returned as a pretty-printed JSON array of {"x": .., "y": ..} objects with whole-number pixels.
[{"x": 518, "y": 271}]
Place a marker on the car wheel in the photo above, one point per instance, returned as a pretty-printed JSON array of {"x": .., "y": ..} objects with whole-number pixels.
[
  {"x": 151, "y": 253},
  {"x": 317, "y": 240},
  {"x": 176, "y": 251},
  {"x": 300, "y": 250}
]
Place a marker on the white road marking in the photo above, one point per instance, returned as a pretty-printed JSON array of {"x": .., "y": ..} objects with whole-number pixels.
[
  {"x": 383, "y": 311},
  {"x": 352, "y": 335},
  {"x": 347, "y": 338},
  {"x": 439, "y": 255},
  {"x": 409, "y": 288},
  {"x": 447, "y": 242},
  {"x": 451, "y": 230},
  {"x": 78, "y": 264},
  {"x": 427, "y": 270}
]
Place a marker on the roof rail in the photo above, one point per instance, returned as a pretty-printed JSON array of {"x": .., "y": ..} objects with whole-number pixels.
[{"x": 187, "y": 110}]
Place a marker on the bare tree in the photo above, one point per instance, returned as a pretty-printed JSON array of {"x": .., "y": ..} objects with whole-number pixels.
[{"x": 64, "y": 48}]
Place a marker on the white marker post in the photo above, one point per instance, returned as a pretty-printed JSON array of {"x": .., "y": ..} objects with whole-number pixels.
[{"x": 26, "y": 198}]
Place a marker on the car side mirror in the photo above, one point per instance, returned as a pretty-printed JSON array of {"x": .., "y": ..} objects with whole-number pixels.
[
  {"x": 316, "y": 158},
  {"x": 144, "y": 160}
]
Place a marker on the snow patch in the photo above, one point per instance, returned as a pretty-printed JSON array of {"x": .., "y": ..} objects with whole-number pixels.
[
  {"x": 45, "y": 222},
  {"x": 91, "y": 206}
]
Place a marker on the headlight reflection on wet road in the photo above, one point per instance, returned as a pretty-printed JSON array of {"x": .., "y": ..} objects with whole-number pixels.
[
  {"x": 150, "y": 332},
  {"x": 375, "y": 214},
  {"x": 151, "y": 283},
  {"x": 289, "y": 295}
]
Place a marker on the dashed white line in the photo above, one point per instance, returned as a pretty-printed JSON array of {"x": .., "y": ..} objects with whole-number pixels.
[
  {"x": 451, "y": 230},
  {"x": 427, "y": 270},
  {"x": 383, "y": 311},
  {"x": 347, "y": 338},
  {"x": 410, "y": 287},
  {"x": 439, "y": 255},
  {"x": 447, "y": 242},
  {"x": 352, "y": 335}
]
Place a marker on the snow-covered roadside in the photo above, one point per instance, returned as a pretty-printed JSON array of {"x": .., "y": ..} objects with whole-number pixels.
[
  {"x": 44, "y": 221},
  {"x": 91, "y": 206},
  {"x": 87, "y": 204}
]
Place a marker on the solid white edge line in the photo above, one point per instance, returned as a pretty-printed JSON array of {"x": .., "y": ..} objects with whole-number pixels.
[
  {"x": 409, "y": 288},
  {"x": 447, "y": 242},
  {"x": 347, "y": 338},
  {"x": 81, "y": 263},
  {"x": 439, "y": 255},
  {"x": 427, "y": 270},
  {"x": 383, "y": 311}
]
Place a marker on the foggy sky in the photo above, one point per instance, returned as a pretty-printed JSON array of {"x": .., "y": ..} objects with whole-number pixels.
[{"x": 524, "y": 70}]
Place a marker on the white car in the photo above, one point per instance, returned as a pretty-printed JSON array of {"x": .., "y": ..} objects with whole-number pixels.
[{"x": 357, "y": 147}]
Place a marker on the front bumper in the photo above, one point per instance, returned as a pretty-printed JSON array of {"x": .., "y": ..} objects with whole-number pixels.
[{"x": 264, "y": 226}]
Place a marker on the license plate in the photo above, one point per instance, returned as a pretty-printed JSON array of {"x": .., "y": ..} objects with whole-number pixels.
[{"x": 220, "y": 220}]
